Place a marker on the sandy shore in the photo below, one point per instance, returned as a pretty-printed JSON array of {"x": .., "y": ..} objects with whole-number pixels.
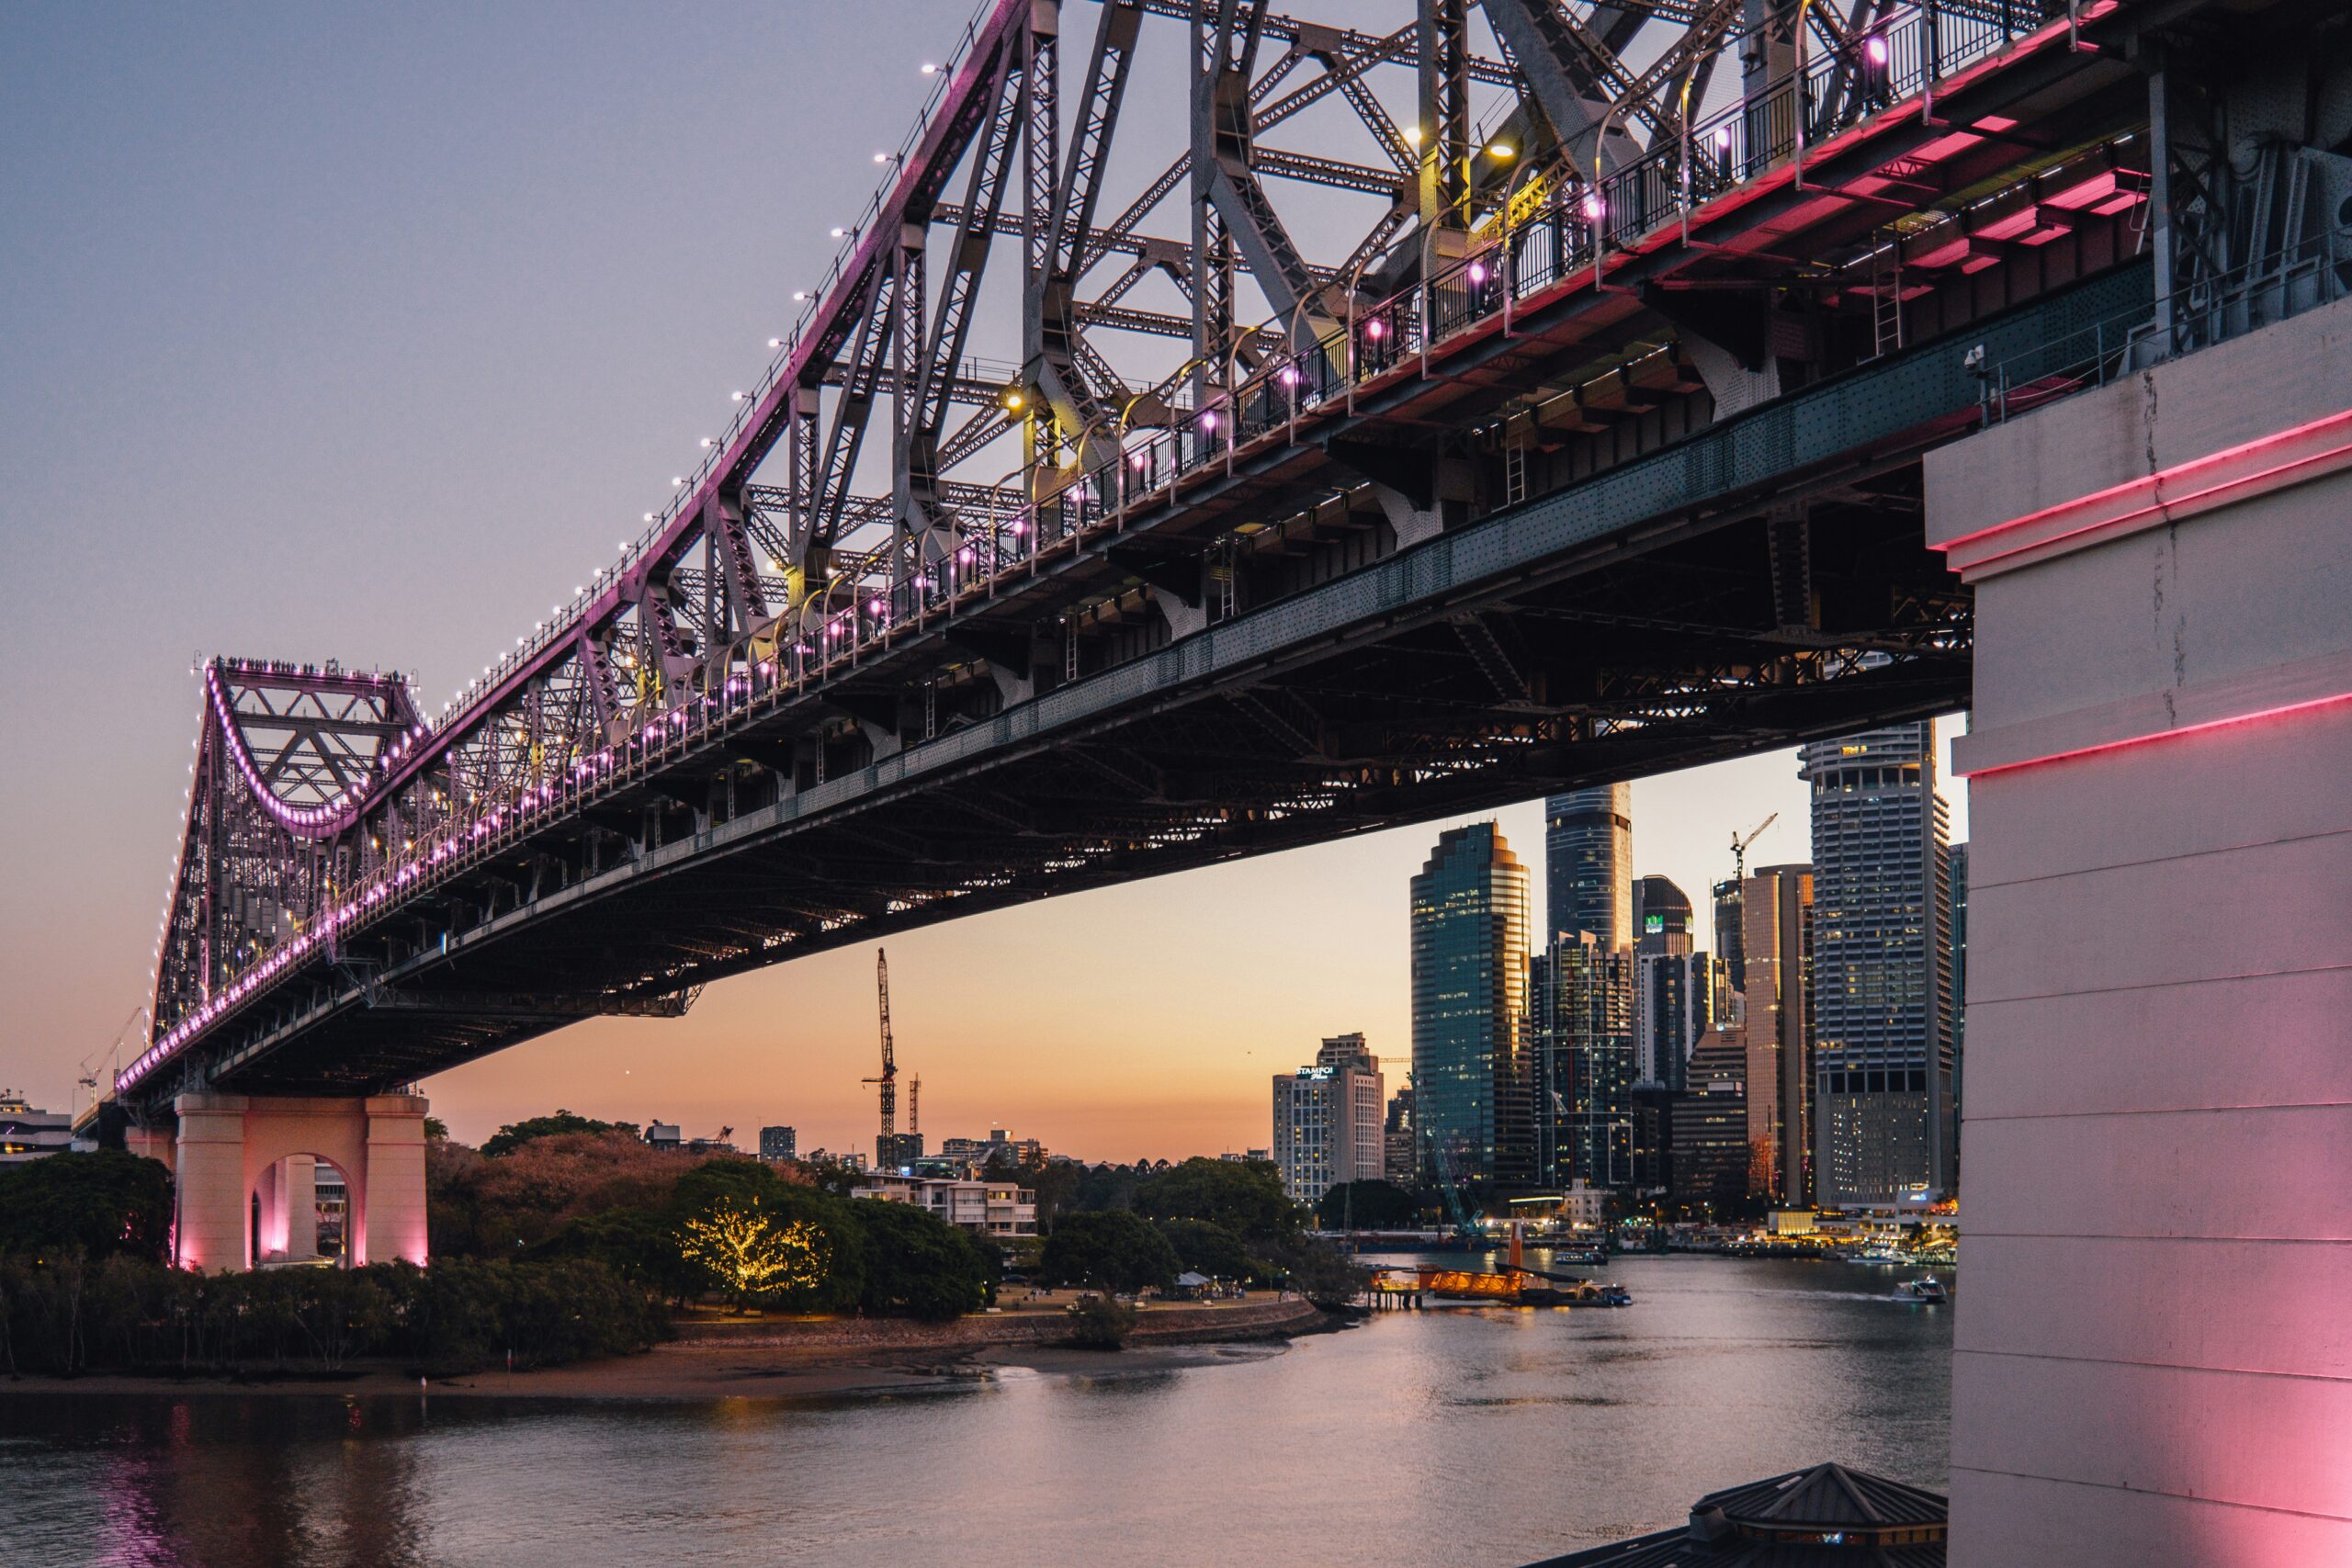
[{"x": 962, "y": 1354}]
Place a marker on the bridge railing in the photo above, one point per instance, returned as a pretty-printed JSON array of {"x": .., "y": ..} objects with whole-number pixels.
[
  {"x": 1570, "y": 230},
  {"x": 2286, "y": 283}
]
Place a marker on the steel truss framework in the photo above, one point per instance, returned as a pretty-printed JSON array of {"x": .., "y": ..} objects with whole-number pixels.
[{"x": 1535, "y": 307}]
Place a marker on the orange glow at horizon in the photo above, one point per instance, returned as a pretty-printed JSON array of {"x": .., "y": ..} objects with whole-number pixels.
[{"x": 1143, "y": 1021}]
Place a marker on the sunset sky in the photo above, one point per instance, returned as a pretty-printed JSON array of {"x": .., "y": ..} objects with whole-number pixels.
[{"x": 364, "y": 333}]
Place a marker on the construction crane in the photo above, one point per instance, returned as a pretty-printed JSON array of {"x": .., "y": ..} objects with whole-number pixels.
[
  {"x": 1739, "y": 846},
  {"x": 1464, "y": 1227},
  {"x": 889, "y": 1081},
  {"x": 914, "y": 1109},
  {"x": 107, "y": 1058}
]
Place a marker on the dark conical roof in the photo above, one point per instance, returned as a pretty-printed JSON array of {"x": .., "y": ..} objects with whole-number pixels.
[
  {"x": 1828, "y": 1517},
  {"x": 1827, "y": 1496}
]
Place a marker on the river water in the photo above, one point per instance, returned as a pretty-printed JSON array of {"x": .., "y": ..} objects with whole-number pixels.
[{"x": 1471, "y": 1436}]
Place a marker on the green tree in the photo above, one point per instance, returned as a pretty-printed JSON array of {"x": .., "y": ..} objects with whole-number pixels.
[
  {"x": 1321, "y": 1272},
  {"x": 639, "y": 1244},
  {"x": 750, "y": 1251},
  {"x": 1101, "y": 1323},
  {"x": 1244, "y": 1196},
  {"x": 754, "y": 1183},
  {"x": 1112, "y": 1251},
  {"x": 1367, "y": 1205},
  {"x": 1207, "y": 1248},
  {"x": 918, "y": 1264},
  {"x": 1105, "y": 1186},
  {"x": 96, "y": 1203},
  {"x": 514, "y": 1134},
  {"x": 494, "y": 1207}
]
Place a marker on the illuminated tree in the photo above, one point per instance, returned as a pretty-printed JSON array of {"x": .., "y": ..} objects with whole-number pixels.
[{"x": 751, "y": 1252}]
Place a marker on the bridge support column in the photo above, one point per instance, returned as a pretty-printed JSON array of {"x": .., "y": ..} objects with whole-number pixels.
[
  {"x": 239, "y": 1157},
  {"x": 395, "y": 1214},
  {"x": 2150, "y": 1362},
  {"x": 210, "y": 1229}
]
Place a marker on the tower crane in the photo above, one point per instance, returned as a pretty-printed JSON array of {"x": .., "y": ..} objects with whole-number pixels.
[
  {"x": 889, "y": 1081},
  {"x": 1739, "y": 846}
]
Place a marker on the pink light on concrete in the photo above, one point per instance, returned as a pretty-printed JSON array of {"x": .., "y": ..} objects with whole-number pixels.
[
  {"x": 2129, "y": 742},
  {"x": 2307, "y": 451},
  {"x": 233, "y": 1146}
]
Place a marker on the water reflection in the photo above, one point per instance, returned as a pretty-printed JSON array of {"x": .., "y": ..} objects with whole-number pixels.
[{"x": 1480, "y": 1436}]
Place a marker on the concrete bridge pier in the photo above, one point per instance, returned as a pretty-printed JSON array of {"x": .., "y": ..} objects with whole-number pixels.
[
  {"x": 235, "y": 1154},
  {"x": 2153, "y": 1363}
]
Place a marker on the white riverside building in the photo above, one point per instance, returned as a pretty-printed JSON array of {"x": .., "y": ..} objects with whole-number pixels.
[
  {"x": 1328, "y": 1120},
  {"x": 985, "y": 1208},
  {"x": 29, "y": 1135}
]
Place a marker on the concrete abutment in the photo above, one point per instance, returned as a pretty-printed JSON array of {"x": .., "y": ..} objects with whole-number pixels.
[
  {"x": 241, "y": 1161},
  {"x": 2153, "y": 1358}
]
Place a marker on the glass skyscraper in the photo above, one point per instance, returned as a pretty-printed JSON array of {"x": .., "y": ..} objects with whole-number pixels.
[
  {"x": 1589, "y": 865},
  {"x": 1662, "y": 917},
  {"x": 1884, "y": 1122},
  {"x": 1584, "y": 998},
  {"x": 1674, "y": 1000},
  {"x": 1473, "y": 1068}
]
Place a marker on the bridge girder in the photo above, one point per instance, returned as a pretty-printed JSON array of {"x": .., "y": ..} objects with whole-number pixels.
[{"x": 599, "y": 782}]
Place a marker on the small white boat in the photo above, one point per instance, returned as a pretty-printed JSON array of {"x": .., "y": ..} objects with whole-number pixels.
[{"x": 1927, "y": 1290}]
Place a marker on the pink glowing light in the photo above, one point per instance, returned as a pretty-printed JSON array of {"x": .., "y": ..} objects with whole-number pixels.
[
  {"x": 1477, "y": 272},
  {"x": 1376, "y": 329},
  {"x": 1875, "y": 51}
]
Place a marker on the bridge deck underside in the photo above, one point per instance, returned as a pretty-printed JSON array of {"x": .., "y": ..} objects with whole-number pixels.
[{"x": 1640, "y": 662}]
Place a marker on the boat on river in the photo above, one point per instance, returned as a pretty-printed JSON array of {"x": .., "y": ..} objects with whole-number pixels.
[{"x": 1926, "y": 1290}]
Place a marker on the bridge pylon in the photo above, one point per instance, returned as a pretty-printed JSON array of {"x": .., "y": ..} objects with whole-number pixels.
[{"x": 244, "y": 1172}]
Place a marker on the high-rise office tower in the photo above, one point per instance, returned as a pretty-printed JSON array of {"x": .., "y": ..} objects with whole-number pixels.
[
  {"x": 1731, "y": 966},
  {"x": 779, "y": 1142},
  {"x": 1582, "y": 994},
  {"x": 1327, "y": 1121},
  {"x": 1776, "y": 941},
  {"x": 1711, "y": 1158},
  {"x": 1589, "y": 865},
  {"x": 1400, "y": 1145},
  {"x": 1662, "y": 918},
  {"x": 1473, "y": 1081},
  {"x": 1885, "y": 1126},
  {"x": 1673, "y": 994},
  {"x": 1674, "y": 1003}
]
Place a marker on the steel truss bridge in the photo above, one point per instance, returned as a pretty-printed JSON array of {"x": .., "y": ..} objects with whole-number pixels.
[{"x": 1591, "y": 452}]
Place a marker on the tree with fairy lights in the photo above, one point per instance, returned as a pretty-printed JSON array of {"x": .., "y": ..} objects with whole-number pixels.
[{"x": 751, "y": 1252}]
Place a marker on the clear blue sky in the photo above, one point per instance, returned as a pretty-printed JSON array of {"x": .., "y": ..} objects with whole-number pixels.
[{"x": 365, "y": 332}]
